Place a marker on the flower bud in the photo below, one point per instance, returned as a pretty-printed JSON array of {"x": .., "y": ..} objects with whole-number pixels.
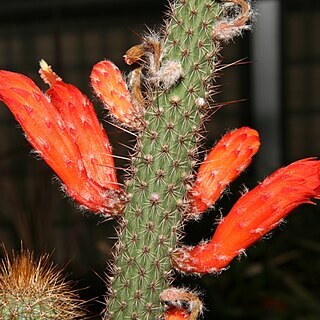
[
  {"x": 224, "y": 163},
  {"x": 108, "y": 84},
  {"x": 175, "y": 313}
]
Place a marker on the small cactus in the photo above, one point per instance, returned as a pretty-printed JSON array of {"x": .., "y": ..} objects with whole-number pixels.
[
  {"x": 32, "y": 290},
  {"x": 165, "y": 104}
]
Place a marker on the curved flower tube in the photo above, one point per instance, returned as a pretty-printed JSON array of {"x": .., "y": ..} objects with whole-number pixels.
[
  {"x": 63, "y": 128},
  {"x": 254, "y": 215},
  {"x": 84, "y": 128},
  {"x": 224, "y": 163}
]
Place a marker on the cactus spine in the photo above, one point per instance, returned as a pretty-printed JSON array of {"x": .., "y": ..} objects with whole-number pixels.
[{"x": 163, "y": 164}]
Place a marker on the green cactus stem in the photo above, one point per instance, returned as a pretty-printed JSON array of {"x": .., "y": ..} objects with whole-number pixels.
[{"x": 163, "y": 164}]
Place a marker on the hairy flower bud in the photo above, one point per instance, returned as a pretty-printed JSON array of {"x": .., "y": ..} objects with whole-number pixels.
[
  {"x": 108, "y": 84},
  {"x": 224, "y": 163}
]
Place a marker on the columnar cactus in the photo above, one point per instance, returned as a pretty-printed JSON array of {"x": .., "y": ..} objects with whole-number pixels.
[
  {"x": 163, "y": 163},
  {"x": 180, "y": 65},
  {"x": 165, "y": 104}
]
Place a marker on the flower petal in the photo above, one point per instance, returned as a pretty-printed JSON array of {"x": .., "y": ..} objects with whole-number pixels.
[
  {"x": 85, "y": 129},
  {"x": 254, "y": 214},
  {"x": 43, "y": 125}
]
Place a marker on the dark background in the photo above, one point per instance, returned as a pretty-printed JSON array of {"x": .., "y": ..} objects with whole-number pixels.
[{"x": 280, "y": 277}]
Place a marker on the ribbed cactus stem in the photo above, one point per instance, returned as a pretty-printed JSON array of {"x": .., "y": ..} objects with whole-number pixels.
[{"x": 163, "y": 164}]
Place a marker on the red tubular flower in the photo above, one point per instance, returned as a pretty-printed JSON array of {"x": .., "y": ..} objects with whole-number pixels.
[
  {"x": 108, "y": 84},
  {"x": 84, "y": 128},
  {"x": 73, "y": 145},
  {"x": 229, "y": 157},
  {"x": 175, "y": 313},
  {"x": 254, "y": 214}
]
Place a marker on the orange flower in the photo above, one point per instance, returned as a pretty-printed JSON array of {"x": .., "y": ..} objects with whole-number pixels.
[
  {"x": 64, "y": 130},
  {"x": 229, "y": 157},
  {"x": 254, "y": 214},
  {"x": 108, "y": 83},
  {"x": 175, "y": 313}
]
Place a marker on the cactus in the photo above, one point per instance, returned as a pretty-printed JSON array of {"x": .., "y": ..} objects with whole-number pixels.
[
  {"x": 166, "y": 153},
  {"x": 162, "y": 165},
  {"x": 35, "y": 290},
  {"x": 165, "y": 105}
]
